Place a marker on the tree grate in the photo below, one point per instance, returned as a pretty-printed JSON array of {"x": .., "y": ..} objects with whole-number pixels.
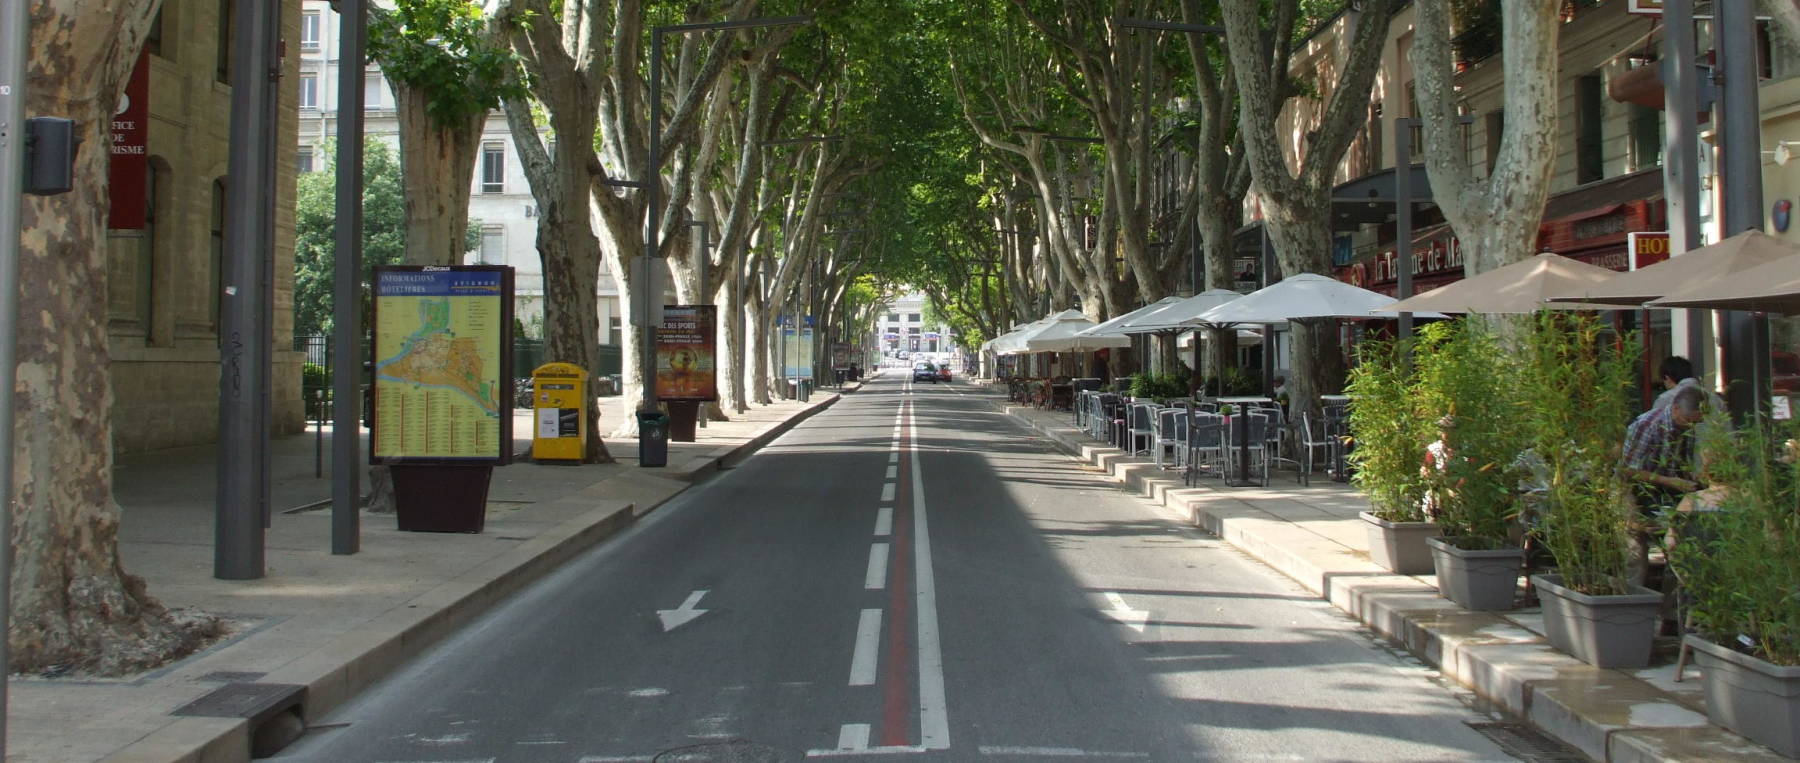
[{"x": 1526, "y": 743}]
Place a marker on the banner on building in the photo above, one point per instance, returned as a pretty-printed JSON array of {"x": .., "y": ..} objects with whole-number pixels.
[
  {"x": 442, "y": 365},
  {"x": 128, "y": 179},
  {"x": 686, "y": 353}
]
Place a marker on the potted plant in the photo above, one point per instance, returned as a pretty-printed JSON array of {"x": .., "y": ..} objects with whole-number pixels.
[
  {"x": 1576, "y": 383},
  {"x": 1390, "y": 445},
  {"x": 1465, "y": 374},
  {"x": 1738, "y": 571}
]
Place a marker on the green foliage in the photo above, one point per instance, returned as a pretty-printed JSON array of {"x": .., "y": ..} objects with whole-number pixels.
[
  {"x": 1389, "y": 432},
  {"x": 1158, "y": 386},
  {"x": 1464, "y": 373},
  {"x": 1232, "y": 381},
  {"x": 1738, "y": 564},
  {"x": 1576, "y": 384},
  {"x": 315, "y": 229},
  {"x": 440, "y": 47}
]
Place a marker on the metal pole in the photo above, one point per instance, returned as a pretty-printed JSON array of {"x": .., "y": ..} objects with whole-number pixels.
[
  {"x": 1681, "y": 176},
  {"x": 238, "y": 530},
  {"x": 265, "y": 358},
  {"x": 15, "y": 24},
  {"x": 347, "y": 330},
  {"x": 1268, "y": 331},
  {"x": 1403, "y": 215},
  {"x": 1740, "y": 149},
  {"x": 652, "y": 226}
]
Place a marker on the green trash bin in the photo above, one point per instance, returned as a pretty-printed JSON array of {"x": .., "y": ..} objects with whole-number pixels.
[{"x": 653, "y": 438}]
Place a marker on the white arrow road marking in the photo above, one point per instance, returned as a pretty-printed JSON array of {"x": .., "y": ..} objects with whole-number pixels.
[
  {"x": 675, "y": 618},
  {"x": 1132, "y": 618}
]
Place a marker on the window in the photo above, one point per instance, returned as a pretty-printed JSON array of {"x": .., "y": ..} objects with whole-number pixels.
[
  {"x": 893, "y": 317},
  {"x": 303, "y": 160},
  {"x": 1496, "y": 127},
  {"x": 912, "y": 317},
  {"x": 493, "y": 246},
  {"x": 226, "y": 18},
  {"x": 309, "y": 91},
  {"x": 1646, "y": 137},
  {"x": 1590, "y": 163},
  {"x": 912, "y": 330},
  {"x": 154, "y": 38},
  {"x": 612, "y": 331},
  {"x": 372, "y": 90},
  {"x": 309, "y": 30},
  {"x": 493, "y": 168}
]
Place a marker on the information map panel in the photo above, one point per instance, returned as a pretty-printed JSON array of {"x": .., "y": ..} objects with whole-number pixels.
[{"x": 442, "y": 366}]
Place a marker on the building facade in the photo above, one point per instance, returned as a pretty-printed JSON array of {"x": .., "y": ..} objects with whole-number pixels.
[
  {"x": 903, "y": 328},
  {"x": 166, "y": 241}
]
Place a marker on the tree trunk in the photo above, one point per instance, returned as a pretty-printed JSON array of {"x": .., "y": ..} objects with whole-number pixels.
[
  {"x": 437, "y": 168},
  {"x": 73, "y": 604}
]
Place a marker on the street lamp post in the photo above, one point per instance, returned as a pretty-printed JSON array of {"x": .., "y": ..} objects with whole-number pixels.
[
  {"x": 644, "y": 291},
  {"x": 703, "y": 261},
  {"x": 14, "y": 23}
]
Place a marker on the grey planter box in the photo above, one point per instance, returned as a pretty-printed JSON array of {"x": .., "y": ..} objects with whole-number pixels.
[
  {"x": 1478, "y": 580},
  {"x": 1400, "y": 546},
  {"x": 1602, "y": 631},
  {"x": 1753, "y": 697}
]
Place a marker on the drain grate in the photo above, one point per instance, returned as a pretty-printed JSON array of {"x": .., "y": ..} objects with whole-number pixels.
[
  {"x": 734, "y": 751},
  {"x": 230, "y": 676},
  {"x": 257, "y": 702},
  {"x": 1526, "y": 743}
]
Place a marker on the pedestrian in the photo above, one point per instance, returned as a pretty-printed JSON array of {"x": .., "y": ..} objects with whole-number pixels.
[
  {"x": 1435, "y": 470},
  {"x": 1659, "y": 461},
  {"x": 1676, "y": 372}
]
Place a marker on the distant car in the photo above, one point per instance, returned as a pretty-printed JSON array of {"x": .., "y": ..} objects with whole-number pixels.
[
  {"x": 925, "y": 372},
  {"x": 943, "y": 372}
]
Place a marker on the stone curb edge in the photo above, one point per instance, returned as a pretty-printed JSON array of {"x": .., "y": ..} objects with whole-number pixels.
[
  {"x": 1518, "y": 672},
  {"x": 346, "y": 665}
]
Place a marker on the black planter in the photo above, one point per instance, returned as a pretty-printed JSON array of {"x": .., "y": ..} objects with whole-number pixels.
[{"x": 1479, "y": 580}]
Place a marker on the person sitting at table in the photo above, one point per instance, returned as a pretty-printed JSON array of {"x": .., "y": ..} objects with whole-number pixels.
[{"x": 1659, "y": 461}]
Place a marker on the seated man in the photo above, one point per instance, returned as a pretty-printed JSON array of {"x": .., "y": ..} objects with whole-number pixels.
[{"x": 1659, "y": 460}]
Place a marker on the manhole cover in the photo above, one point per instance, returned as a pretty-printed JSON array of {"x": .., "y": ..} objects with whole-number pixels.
[
  {"x": 1527, "y": 744},
  {"x": 736, "y": 751}
]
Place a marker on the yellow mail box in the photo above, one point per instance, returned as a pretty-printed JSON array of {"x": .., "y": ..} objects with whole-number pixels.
[{"x": 559, "y": 394}]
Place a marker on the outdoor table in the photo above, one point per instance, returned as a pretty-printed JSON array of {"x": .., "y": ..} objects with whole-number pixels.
[
  {"x": 1335, "y": 429},
  {"x": 1335, "y": 399},
  {"x": 1246, "y": 400}
]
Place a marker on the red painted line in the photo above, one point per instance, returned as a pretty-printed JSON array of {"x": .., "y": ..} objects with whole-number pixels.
[{"x": 896, "y": 675}]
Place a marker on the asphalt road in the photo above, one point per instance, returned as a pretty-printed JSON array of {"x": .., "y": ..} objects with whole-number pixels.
[{"x": 908, "y": 574}]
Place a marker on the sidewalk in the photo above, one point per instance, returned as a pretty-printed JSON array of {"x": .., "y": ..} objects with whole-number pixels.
[
  {"x": 1313, "y": 535},
  {"x": 335, "y": 624}
]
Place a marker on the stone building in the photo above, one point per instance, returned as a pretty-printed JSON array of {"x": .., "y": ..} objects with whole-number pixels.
[{"x": 164, "y": 274}]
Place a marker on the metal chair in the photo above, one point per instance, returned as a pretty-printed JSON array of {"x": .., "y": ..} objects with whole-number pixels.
[
  {"x": 1205, "y": 445},
  {"x": 1142, "y": 425},
  {"x": 1306, "y": 445},
  {"x": 1171, "y": 434}
]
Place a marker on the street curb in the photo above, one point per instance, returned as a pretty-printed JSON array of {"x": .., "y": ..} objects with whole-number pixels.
[
  {"x": 1500, "y": 661},
  {"x": 350, "y": 663}
]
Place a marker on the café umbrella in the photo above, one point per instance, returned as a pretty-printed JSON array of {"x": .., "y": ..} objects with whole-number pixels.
[
  {"x": 1522, "y": 287},
  {"x": 1710, "y": 264}
]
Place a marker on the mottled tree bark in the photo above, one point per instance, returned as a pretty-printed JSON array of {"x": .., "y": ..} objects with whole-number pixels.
[
  {"x": 73, "y": 604},
  {"x": 437, "y": 172},
  {"x": 1496, "y": 218}
]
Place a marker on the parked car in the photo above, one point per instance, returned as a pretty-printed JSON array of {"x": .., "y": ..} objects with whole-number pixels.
[
  {"x": 925, "y": 372},
  {"x": 943, "y": 372}
]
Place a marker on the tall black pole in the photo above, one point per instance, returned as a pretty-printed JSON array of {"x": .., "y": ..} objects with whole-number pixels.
[
  {"x": 347, "y": 331},
  {"x": 1740, "y": 150},
  {"x": 645, "y": 289},
  {"x": 1403, "y": 214},
  {"x": 245, "y": 330},
  {"x": 1681, "y": 175},
  {"x": 15, "y": 25}
]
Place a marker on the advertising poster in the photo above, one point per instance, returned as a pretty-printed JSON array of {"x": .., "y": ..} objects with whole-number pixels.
[
  {"x": 442, "y": 365},
  {"x": 806, "y": 351},
  {"x": 686, "y": 348}
]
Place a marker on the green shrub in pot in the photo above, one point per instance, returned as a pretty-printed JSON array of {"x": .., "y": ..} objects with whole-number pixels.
[
  {"x": 1575, "y": 381},
  {"x": 1465, "y": 378},
  {"x": 1389, "y": 432}
]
